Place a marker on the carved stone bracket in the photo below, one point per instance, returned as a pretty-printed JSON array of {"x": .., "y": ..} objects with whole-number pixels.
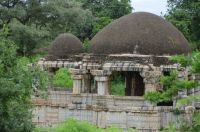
[{"x": 152, "y": 80}]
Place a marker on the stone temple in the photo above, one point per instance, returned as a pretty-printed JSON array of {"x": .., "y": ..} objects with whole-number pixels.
[{"x": 137, "y": 46}]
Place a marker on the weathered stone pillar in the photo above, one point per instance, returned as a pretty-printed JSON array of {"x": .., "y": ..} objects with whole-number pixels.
[
  {"x": 77, "y": 80},
  {"x": 102, "y": 79},
  {"x": 182, "y": 74},
  {"x": 77, "y": 84},
  {"x": 152, "y": 80},
  {"x": 86, "y": 83},
  {"x": 102, "y": 85}
]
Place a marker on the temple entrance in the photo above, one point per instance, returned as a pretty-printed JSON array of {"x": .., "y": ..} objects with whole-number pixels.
[
  {"x": 92, "y": 87},
  {"x": 134, "y": 84}
]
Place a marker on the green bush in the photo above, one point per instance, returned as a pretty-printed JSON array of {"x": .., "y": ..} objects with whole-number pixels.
[
  {"x": 192, "y": 60},
  {"x": 117, "y": 84},
  {"x": 62, "y": 78},
  {"x": 195, "y": 62},
  {"x": 182, "y": 59},
  {"x": 171, "y": 87},
  {"x": 117, "y": 88},
  {"x": 72, "y": 125},
  {"x": 86, "y": 45}
]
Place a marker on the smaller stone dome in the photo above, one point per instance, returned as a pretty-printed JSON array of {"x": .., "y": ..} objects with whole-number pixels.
[{"x": 64, "y": 45}]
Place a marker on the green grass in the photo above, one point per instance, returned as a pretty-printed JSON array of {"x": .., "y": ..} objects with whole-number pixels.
[{"x": 72, "y": 125}]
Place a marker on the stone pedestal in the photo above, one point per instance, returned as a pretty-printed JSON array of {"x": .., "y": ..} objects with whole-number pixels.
[{"x": 102, "y": 85}]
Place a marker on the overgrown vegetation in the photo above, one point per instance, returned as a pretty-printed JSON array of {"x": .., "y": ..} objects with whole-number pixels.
[
  {"x": 72, "y": 125},
  {"x": 117, "y": 84},
  {"x": 62, "y": 79},
  {"x": 172, "y": 84},
  {"x": 184, "y": 125}
]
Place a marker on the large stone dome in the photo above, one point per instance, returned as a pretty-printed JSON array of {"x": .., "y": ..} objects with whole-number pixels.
[
  {"x": 140, "y": 33},
  {"x": 64, "y": 45}
]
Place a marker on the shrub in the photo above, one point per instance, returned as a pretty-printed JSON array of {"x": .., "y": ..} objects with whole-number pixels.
[
  {"x": 72, "y": 125},
  {"x": 117, "y": 88},
  {"x": 117, "y": 85},
  {"x": 86, "y": 45},
  {"x": 171, "y": 87},
  {"x": 62, "y": 78}
]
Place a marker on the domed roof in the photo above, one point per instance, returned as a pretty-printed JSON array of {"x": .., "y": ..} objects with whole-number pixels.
[
  {"x": 140, "y": 33},
  {"x": 65, "y": 44}
]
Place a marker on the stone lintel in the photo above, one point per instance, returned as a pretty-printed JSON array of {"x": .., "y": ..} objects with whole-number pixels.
[
  {"x": 169, "y": 67},
  {"x": 101, "y": 78},
  {"x": 124, "y": 66},
  {"x": 77, "y": 77},
  {"x": 100, "y": 72},
  {"x": 77, "y": 71}
]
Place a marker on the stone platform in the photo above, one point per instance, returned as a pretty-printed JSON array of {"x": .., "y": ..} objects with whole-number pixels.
[{"x": 103, "y": 111}]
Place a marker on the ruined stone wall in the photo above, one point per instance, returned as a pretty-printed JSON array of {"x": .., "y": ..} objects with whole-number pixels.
[{"x": 103, "y": 111}]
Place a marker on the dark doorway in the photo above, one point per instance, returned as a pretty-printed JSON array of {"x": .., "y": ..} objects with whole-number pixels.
[
  {"x": 53, "y": 70},
  {"x": 93, "y": 85},
  {"x": 134, "y": 84}
]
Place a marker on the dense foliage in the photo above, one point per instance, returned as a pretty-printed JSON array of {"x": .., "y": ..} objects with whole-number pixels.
[
  {"x": 35, "y": 23},
  {"x": 113, "y": 8},
  {"x": 62, "y": 78},
  {"x": 185, "y": 14},
  {"x": 16, "y": 83}
]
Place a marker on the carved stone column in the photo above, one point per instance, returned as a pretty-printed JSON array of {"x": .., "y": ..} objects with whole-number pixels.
[
  {"x": 86, "y": 83},
  {"x": 77, "y": 80},
  {"x": 102, "y": 79},
  {"x": 102, "y": 85},
  {"x": 152, "y": 80},
  {"x": 77, "y": 84},
  {"x": 182, "y": 74}
]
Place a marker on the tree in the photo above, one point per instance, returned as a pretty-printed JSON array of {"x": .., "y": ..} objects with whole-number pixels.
[
  {"x": 35, "y": 23},
  {"x": 185, "y": 15},
  {"x": 103, "y": 8},
  {"x": 100, "y": 23},
  {"x": 16, "y": 83},
  {"x": 68, "y": 16}
]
